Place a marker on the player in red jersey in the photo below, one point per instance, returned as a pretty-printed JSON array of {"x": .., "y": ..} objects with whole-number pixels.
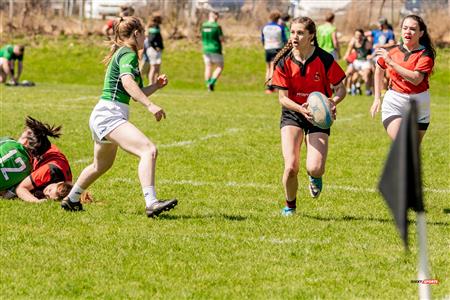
[
  {"x": 410, "y": 65},
  {"x": 49, "y": 165},
  {"x": 301, "y": 68}
]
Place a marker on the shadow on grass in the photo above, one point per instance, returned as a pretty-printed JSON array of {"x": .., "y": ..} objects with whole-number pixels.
[
  {"x": 207, "y": 216},
  {"x": 367, "y": 219}
]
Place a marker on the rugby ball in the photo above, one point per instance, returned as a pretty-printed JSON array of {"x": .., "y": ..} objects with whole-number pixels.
[{"x": 320, "y": 109}]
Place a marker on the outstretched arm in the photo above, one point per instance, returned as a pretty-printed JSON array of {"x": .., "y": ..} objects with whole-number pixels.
[
  {"x": 161, "y": 82},
  {"x": 137, "y": 94},
  {"x": 24, "y": 189}
]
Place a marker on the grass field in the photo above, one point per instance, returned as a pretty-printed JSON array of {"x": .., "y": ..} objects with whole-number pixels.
[{"x": 219, "y": 154}]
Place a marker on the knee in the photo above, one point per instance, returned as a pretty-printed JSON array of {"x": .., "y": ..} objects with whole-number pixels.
[
  {"x": 150, "y": 150},
  {"x": 316, "y": 170}
]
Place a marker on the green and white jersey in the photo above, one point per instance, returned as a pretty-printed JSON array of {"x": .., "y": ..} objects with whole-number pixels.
[
  {"x": 15, "y": 163},
  {"x": 211, "y": 34},
  {"x": 124, "y": 61},
  {"x": 8, "y": 53}
]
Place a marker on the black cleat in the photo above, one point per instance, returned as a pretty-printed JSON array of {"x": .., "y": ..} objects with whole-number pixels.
[
  {"x": 71, "y": 206},
  {"x": 159, "y": 206}
]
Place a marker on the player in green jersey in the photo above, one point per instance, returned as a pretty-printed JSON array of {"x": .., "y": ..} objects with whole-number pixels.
[
  {"x": 212, "y": 39},
  {"x": 8, "y": 56},
  {"x": 15, "y": 163},
  {"x": 109, "y": 119}
]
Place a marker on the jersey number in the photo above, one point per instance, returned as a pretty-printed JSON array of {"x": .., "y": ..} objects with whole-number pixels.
[{"x": 19, "y": 161}]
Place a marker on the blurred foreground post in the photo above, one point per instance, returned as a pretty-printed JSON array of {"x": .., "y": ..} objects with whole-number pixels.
[{"x": 401, "y": 187}]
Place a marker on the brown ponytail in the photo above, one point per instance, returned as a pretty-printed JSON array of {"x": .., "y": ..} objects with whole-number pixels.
[
  {"x": 38, "y": 142},
  {"x": 124, "y": 29}
]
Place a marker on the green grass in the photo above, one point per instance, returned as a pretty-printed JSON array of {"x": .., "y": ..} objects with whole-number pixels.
[{"x": 226, "y": 239}]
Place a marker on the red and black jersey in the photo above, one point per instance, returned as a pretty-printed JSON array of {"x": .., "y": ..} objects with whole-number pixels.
[
  {"x": 51, "y": 167},
  {"x": 420, "y": 60},
  {"x": 316, "y": 75}
]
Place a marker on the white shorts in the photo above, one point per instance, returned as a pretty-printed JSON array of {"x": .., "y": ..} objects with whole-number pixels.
[
  {"x": 154, "y": 56},
  {"x": 213, "y": 58},
  {"x": 395, "y": 104},
  {"x": 107, "y": 116},
  {"x": 360, "y": 65}
]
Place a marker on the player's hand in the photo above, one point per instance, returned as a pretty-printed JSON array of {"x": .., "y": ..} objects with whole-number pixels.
[
  {"x": 304, "y": 110},
  {"x": 333, "y": 108},
  {"x": 157, "y": 111},
  {"x": 375, "y": 107},
  {"x": 162, "y": 81},
  {"x": 381, "y": 52}
]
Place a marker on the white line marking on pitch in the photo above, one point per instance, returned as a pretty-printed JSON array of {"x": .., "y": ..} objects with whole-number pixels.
[
  {"x": 203, "y": 138},
  {"x": 272, "y": 186}
]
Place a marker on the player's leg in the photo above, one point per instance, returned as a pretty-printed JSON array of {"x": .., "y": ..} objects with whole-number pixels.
[
  {"x": 132, "y": 140},
  {"x": 291, "y": 140},
  {"x": 208, "y": 68},
  {"x": 218, "y": 63},
  {"x": 104, "y": 156},
  {"x": 316, "y": 156},
  {"x": 348, "y": 78},
  {"x": 3, "y": 74}
]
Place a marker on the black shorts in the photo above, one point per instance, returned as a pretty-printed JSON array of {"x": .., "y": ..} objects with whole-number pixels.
[
  {"x": 293, "y": 118},
  {"x": 270, "y": 54}
]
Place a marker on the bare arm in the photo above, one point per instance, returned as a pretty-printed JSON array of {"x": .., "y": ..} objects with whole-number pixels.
[
  {"x": 137, "y": 94},
  {"x": 291, "y": 105},
  {"x": 161, "y": 82},
  {"x": 349, "y": 48},
  {"x": 339, "y": 93},
  {"x": 24, "y": 189},
  {"x": 378, "y": 78},
  {"x": 414, "y": 77},
  {"x": 19, "y": 69},
  {"x": 336, "y": 43}
]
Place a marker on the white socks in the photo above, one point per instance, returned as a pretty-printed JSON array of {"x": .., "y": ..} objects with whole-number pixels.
[
  {"x": 75, "y": 193},
  {"x": 149, "y": 195}
]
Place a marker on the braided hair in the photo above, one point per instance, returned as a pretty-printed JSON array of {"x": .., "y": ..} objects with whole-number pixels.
[{"x": 38, "y": 142}]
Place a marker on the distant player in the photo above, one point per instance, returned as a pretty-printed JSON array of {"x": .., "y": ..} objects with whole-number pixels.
[
  {"x": 273, "y": 38},
  {"x": 327, "y": 36},
  {"x": 212, "y": 39},
  {"x": 410, "y": 65},
  {"x": 153, "y": 47},
  {"x": 109, "y": 120},
  {"x": 301, "y": 68},
  {"x": 361, "y": 65},
  {"x": 9, "y": 54}
]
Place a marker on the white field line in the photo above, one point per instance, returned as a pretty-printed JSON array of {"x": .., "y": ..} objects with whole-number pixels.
[
  {"x": 203, "y": 138},
  {"x": 83, "y": 160},
  {"x": 179, "y": 143},
  {"x": 234, "y": 184}
]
